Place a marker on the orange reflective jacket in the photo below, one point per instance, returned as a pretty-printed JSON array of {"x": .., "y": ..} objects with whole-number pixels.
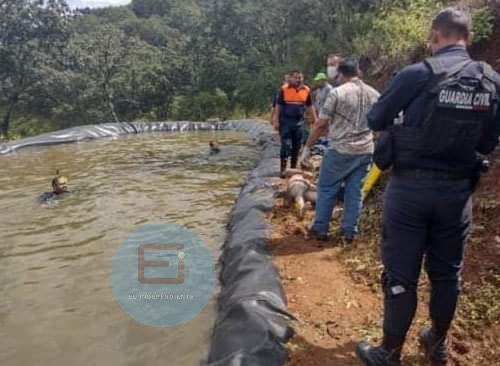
[{"x": 292, "y": 95}]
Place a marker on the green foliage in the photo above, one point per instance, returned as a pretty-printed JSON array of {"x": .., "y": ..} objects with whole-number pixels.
[
  {"x": 31, "y": 34},
  {"x": 203, "y": 106},
  {"x": 308, "y": 54},
  {"x": 113, "y": 15},
  {"x": 26, "y": 126},
  {"x": 148, "y": 8},
  {"x": 189, "y": 59},
  {"x": 397, "y": 30},
  {"x": 483, "y": 22},
  {"x": 101, "y": 56},
  {"x": 256, "y": 91}
]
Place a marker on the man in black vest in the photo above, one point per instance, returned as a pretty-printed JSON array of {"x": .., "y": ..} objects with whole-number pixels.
[{"x": 449, "y": 104}]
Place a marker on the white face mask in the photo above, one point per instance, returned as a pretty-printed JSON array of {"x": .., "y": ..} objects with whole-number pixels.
[{"x": 332, "y": 72}]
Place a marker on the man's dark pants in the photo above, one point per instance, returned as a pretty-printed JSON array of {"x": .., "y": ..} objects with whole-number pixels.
[
  {"x": 291, "y": 142},
  {"x": 428, "y": 218}
]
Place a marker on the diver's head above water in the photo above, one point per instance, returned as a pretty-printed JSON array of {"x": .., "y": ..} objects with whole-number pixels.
[
  {"x": 59, "y": 184},
  {"x": 214, "y": 147},
  {"x": 59, "y": 187}
]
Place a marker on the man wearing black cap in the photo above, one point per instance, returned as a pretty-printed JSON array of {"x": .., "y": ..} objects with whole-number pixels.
[
  {"x": 343, "y": 119},
  {"x": 449, "y": 104}
]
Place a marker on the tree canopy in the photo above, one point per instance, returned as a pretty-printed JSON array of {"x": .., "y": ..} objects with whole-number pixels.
[{"x": 189, "y": 59}]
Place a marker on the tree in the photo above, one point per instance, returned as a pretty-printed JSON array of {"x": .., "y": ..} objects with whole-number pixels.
[
  {"x": 191, "y": 58},
  {"x": 148, "y": 8},
  {"x": 31, "y": 34},
  {"x": 102, "y": 55},
  {"x": 150, "y": 88}
]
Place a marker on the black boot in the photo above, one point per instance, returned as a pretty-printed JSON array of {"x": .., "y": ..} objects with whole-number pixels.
[
  {"x": 387, "y": 354},
  {"x": 313, "y": 235},
  {"x": 283, "y": 168},
  {"x": 434, "y": 346}
]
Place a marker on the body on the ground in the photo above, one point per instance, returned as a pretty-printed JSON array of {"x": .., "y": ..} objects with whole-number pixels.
[{"x": 299, "y": 190}]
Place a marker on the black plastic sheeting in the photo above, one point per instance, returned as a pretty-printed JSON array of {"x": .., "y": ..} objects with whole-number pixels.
[
  {"x": 82, "y": 133},
  {"x": 252, "y": 322}
]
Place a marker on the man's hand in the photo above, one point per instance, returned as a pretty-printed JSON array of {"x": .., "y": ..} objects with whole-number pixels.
[
  {"x": 313, "y": 116},
  {"x": 275, "y": 117},
  {"x": 305, "y": 157},
  {"x": 276, "y": 135},
  {"x": 276, "y": 125}
]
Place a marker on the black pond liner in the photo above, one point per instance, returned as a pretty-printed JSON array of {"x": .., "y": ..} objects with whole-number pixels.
[{"x": 252, "y": 323}]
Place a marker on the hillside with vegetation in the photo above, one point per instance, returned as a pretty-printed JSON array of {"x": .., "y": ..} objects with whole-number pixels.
[
  {"x": 199, "y": 59},
  {"x": 191, "y": 59}
]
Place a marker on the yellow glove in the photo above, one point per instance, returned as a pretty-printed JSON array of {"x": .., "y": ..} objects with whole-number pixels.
[{"x": 371, "y": 179}]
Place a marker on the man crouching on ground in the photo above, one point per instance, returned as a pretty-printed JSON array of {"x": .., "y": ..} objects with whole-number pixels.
[{"x": 349, "y": 157}]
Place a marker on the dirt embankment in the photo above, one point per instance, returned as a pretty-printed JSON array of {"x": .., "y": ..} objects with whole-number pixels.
[{"x": 335, "y": 291}]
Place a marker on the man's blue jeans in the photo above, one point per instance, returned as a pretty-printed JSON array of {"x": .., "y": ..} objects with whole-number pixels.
[{"x": 337, "y": 168}]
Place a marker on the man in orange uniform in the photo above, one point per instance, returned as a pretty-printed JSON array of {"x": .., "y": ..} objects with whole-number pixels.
[
  {"x": 275, "y": 97},
  {"x": 292, "y": 102}
]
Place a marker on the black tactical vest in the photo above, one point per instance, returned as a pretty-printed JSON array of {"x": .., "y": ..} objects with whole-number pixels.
[{"x": 460, "y": 107}]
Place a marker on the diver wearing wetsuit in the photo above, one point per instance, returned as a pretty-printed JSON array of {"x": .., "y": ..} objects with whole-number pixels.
[
  {"x": 59, "y": 187},
  {"x": 214, "y": 148}
]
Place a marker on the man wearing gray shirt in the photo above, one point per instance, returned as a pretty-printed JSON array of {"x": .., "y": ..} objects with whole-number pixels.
[
  {"x": 323, "y": 90},
  {"x": 348, "y": 160}
]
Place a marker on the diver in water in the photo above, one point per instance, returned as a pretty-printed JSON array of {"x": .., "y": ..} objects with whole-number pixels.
[
  {"x": 59, "y": 187},
  {"x": 214, "y": 148}
]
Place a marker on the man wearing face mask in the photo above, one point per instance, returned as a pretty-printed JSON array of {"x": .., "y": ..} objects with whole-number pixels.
[
  {"x": 450, "y": 107},
  {"x": 332, "y": 64}
]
